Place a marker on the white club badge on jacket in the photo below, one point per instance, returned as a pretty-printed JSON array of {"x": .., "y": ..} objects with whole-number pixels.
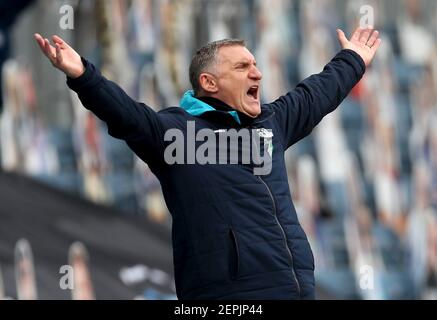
[{"x": 267, "y": 135}]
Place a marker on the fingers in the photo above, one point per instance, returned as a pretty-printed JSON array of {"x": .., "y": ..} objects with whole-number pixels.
[
  {"x": 58, "y": 53},
  {"x": 40, "y": 41},
  {"x": 365, "y": 35},
  {"x": 356, "y": 36},
  {"x": 377, "y": 44},
  {"x": 54, "y": 54},
  {"x": 372, "y": 40},
  {"x": 342, "y": 38},
  {"x": 49, "y": 51},
  {"x": 57, "y": 40},
  {"x": 368, "y": 37}
]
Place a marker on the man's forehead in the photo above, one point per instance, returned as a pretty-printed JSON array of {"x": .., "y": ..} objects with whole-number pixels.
[{"x": 233, "y": 54}]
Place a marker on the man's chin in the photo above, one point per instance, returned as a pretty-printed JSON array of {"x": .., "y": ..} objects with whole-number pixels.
[{"x": 253, "y": 111}]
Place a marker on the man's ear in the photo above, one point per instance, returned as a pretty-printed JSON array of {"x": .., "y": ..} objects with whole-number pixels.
[{"x": 208, "y": 83}]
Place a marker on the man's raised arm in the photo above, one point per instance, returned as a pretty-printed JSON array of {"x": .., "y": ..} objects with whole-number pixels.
[
  {"x": 299, "y": 111},
  {"x": 126, "y": 118}
]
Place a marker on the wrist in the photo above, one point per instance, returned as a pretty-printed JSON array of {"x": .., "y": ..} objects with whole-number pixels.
[{"x": 77, "y": 72}]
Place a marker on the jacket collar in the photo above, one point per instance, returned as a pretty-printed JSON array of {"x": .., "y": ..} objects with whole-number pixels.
[
  {"x": 216, "y": 110},
  {"x": 197, "y": 107}
]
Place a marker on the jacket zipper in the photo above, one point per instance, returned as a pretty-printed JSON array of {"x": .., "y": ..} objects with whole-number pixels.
[
  {"x": 283, "y": 234},
  {"x": 277, "y": 221},
  {"x": 237, "y": 252}
]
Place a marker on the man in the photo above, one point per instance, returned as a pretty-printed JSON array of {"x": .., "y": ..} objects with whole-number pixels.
[{"x": 235, "y": 233}]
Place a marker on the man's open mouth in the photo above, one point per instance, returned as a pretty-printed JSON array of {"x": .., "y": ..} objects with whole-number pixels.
[{"x": 253, "y": 92}]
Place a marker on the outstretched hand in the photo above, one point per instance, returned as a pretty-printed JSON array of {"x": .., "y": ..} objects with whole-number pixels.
[
  {"x": 365, "y": 42},
  {"x": 62, "y": 56}
]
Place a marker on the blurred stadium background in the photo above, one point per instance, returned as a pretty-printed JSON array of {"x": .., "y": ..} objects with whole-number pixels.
[{"x": 364, "y": 183}]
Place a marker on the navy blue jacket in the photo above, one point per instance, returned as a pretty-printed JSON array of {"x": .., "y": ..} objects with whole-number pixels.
[{"x": 235, "y": 234}]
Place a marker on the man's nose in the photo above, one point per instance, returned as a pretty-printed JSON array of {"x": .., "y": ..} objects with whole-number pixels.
[{"x": 255, "y": 73}]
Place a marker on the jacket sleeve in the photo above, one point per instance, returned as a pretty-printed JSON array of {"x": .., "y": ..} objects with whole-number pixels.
[
  {"x": 134, "y": 122},
  {"x": 301, "y": 109}
]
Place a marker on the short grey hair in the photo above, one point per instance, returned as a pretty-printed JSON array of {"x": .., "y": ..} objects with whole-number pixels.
[{"x": 205, "y": 57}]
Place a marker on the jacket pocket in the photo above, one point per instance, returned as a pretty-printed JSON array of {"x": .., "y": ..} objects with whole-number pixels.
[{"x": 234, "y": 255}]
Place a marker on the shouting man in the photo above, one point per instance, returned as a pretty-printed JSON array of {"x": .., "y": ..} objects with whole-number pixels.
[{"x": 235, "y": 231}]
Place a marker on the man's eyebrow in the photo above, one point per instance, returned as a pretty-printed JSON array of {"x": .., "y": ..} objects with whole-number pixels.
[{"x": 244, "y": 62}]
